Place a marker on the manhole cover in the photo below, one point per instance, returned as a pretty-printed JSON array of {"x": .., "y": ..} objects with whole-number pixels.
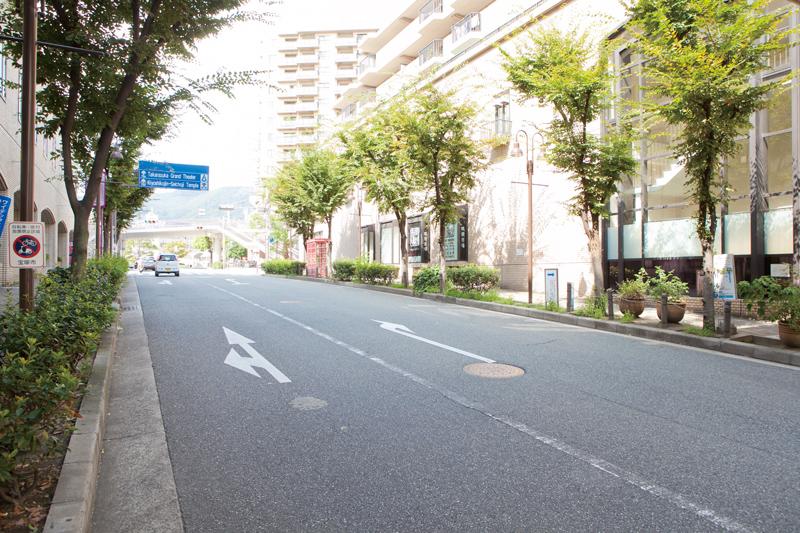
[
  {"x": 494, "y": 370},
  {"x": 308, "y": 403}
]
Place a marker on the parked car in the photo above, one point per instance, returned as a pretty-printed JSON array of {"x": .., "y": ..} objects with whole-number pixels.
[
  {"x": 147, "y": 262},
  {"x": 167, "y": 264}
]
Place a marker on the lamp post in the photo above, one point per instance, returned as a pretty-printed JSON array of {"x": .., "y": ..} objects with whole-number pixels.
[{"x": 529, "y": 153}]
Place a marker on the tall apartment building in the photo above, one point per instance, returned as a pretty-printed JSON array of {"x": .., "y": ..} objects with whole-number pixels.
[{"x": 314, "y": 68}]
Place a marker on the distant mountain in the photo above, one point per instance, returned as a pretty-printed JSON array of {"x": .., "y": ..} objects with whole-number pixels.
[{"x": 186, "y": 205}]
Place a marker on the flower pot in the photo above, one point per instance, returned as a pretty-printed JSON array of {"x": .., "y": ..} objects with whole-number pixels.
[
  {"x": 675, "y": 312},
  {"x": 788, "y": 335},
  {"x": 632, "y": 306}
]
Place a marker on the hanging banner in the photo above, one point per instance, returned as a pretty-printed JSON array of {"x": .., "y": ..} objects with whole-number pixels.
[{"x": 5, "y": 206}]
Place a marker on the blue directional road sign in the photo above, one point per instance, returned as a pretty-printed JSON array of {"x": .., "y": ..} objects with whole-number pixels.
[
  {"x": 5, "y": 205},
  {"x": 153, "y": 175}
]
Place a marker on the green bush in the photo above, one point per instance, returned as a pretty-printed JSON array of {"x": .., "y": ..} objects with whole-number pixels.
[
  {"x": 43, "y": 354},
  {"x": 489, "y": 296},
  {"x": 374, "y": 273},
  {"x": 594, "y": 307},
  {"x": 284, "y": 267},
  {"x": 772, "y": 300},
  {"x": 426, "y": 280},
  {"x": 473, "y": 278},
  {"x": 344, "y": 269},
  {"x": 668, "y": 283}
]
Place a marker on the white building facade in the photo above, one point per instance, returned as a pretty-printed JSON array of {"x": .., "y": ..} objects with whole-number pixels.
[{"x": 50, "y": 197}]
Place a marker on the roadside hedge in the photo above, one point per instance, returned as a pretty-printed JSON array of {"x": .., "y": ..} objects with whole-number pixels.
[
  {"x": 285, "y": 267},
  {"x": 344, "y": 269},
  {"x": 45, "y": 356},
  {"x": 465, "y": 278},
  {"x": 375, "y": 273}
]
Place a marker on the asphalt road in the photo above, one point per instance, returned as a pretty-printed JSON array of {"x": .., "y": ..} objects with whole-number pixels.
[{"x": 379, "y": 430}]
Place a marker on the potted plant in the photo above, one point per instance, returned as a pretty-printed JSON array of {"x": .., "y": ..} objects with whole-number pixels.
[
  {"x": 774, "y": 301},
  {"x": 632, "y": 293},
  {"x": 675, "y": 289}
]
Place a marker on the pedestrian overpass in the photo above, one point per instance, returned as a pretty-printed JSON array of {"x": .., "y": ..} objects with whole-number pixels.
[{"x": 253, "y": 240}]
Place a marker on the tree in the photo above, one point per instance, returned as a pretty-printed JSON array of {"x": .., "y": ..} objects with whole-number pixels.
[
  {"x": 376, "y": 156},
  {"x": 701, "y": 58},
  {"x": 257, "y": 221},
  {"x": 556, "y": 68},
  {"x": 440, "y": 151},
  {"x": 179, "y": 248},
  {"x": 204, "y": 243},
  {"x": 287, "y": 195},
  {"x": 279, "y": 234},
  {"x": 85, "y": 99},
  {"x": 236, "y": 251}
]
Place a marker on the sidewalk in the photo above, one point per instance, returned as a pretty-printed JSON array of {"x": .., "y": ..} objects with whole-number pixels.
[
  {"x": 744, "y": 326},
  {"x": 136, "y": 488}
]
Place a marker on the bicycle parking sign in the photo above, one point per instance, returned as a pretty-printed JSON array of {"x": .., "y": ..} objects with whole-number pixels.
[{"x": 27, "y": 241}]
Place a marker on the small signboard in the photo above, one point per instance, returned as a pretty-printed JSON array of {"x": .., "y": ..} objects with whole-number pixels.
[
  {"x": 153, "y": 175},
  {"x": 5, "y": 206},
  {"x": 26, "y": 248},
  {"x": 724, "y": 277},
  {"x": 551, "y": 285}
]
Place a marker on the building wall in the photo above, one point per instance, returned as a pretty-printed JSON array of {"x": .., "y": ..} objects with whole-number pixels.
[
  {"x": 52, "y": 205},
  {"x": 497, "y": 210}
]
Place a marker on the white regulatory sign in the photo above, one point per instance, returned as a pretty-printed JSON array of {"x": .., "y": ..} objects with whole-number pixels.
[{"x": 26, "y": 244}]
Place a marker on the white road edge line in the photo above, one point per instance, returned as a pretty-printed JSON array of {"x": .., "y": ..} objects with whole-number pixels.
[{"x": 675, "y": 498}]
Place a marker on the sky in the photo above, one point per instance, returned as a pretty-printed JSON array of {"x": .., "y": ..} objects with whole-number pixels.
[{"x": 230, "y": 146}]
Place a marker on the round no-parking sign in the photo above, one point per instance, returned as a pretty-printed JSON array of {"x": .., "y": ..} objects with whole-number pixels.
[{"x": 27, "y": 241}]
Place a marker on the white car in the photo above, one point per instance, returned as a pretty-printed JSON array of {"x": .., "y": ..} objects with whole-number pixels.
[{"x": 167, "y": 264}]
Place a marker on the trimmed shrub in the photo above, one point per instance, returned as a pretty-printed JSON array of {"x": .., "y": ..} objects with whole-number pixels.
[
  {"x": 344, "y": 269},
  {"x": 44, "y": 355},
  {"x": 375, "y": 273},
  {"x": 473, "y": 278},
  {"x": 426, "y": 280},
  {"x": 284, "y": 267}
]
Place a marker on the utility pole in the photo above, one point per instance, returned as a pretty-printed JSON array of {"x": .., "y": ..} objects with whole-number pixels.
[{"x": 27, "y": 167}]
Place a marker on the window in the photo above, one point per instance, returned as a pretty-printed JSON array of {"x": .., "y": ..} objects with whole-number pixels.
[
  {"x": 390, "y": 243},
  {"x": 502, "y": 119},
  {"x": 368, "y": 242}
]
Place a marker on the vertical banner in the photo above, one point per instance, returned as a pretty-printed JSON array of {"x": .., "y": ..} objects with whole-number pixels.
[
  {"x": 724, "y": 277},
  {"x": 5, "y": 206}
]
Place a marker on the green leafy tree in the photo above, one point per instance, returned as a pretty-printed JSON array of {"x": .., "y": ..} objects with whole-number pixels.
[
  {"x": 287, "y": 196},
  {"x": 85, "y": 100},
  {"x": 441, "y": 153},
  {"x": 281, "y": 236},
  {"x": 376, "y": 155},
  {"x": 701, "y": 58},
  {"x": 204, "y": 243},
  {"x": 179, "y": 248},
  {"x": 257, "y": 221},
  {"x": 555, "y": 68},
  {"x": 236, "y": 251}
]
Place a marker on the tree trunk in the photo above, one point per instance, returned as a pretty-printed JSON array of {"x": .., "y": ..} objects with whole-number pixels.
[
  {"x": 80, "y": 242},
  {"x": 329, "y": 262},
  {"x": 107, "y": 231},
  {"x": 596, "y": 253},
  {"x": 403, "y": 256},
  {"x": 442, "y": 263},
  {"x": 708, "y": 285}
]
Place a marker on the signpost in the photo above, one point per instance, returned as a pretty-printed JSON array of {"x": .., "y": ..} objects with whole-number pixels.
[
  {"x": 551, "y": 285},
  {"x": 27, "y": 243},
  {"x": 5, "y": 205},
  {"x": 153, "y": 175}
]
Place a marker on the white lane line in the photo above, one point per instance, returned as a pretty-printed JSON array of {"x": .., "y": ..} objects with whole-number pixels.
[
  {"x": 165, "y": 282},
  {"x": 402, "y": 330},
  {"x": 631, "y": 478}
]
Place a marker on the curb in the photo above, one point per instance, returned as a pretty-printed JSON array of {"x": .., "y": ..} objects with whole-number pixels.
[
  {"x": 73, "y": 502},
  {"x": 727, "y": 346}
]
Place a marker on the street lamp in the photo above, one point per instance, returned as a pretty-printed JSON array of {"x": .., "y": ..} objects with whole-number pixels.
[{"x": 516, "y": 151}]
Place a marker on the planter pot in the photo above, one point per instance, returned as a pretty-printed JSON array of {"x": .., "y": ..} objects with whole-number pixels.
[
  {"x": 634, "y": 307},
  {"x": 789, "y": 336},
  {"x": 675, "y": 312}
]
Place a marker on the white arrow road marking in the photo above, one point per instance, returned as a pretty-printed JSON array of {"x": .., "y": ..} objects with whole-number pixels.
[
  {"x": 165, "y": 282},
  {"x": 402, "y": 330},
  {"x": 247, "y": 364},
  {"x": 234, "y": 282}
]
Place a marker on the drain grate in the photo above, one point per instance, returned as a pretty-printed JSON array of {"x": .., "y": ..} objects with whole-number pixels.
[
  {"x": 130, "y": 307},
  {"x": 494, "y": 370}
]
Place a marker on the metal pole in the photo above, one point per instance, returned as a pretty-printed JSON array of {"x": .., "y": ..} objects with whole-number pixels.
[
  {"x": 570, "y": 302},
  {"x": 27, "y": 141},
  {"x": 529, "y": 165},
  {"x": 610, "y": 293}
]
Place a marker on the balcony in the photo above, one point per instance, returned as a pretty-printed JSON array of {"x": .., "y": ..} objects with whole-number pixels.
[
  {"x": 367, "y": 64},
  {"x": 346, "y": 41},
  {"x": 307, "y": 74},
  {"x": 306, "y": 90},
  {"x": 310, "y": 138},
  {"x": 307, "y": 59},
  {"x": 287, "y": 61},
  {"x": 346, "y": 58},
  {"x": 287, "y": 93},
  {"x": 301, "y": 107},
  {"x": 434, "y": 50},
  {"x": 466, "y": 32},
  {"x": 428, "y": 10},
  {"x": 306, "y": 44},
  {"x": 287, "y": 109},
  {"x": 346, "y": 74},
  {"x": 287, "y": 140}
]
